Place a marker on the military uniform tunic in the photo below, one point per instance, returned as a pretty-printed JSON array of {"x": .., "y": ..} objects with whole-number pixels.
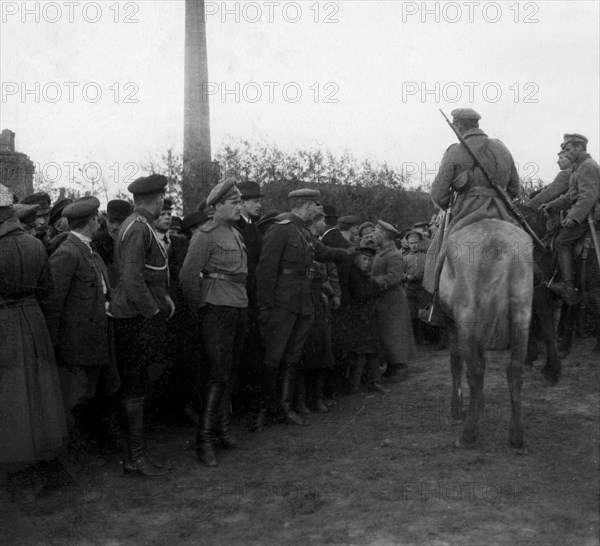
[{"x": 138, "y": 303}]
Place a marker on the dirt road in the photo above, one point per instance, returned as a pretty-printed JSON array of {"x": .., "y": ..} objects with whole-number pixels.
[{"x": 375, "y": 470}]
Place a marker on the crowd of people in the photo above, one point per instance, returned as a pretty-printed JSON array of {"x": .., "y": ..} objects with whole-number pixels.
[{"x": 272, "y": 315}]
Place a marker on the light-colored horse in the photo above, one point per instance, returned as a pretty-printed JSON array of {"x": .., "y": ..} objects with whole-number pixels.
[{"x": 486, "y": 287}]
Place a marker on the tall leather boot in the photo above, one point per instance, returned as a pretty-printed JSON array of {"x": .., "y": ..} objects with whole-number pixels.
[
  {"x": 222, "y": 429},
  {"x": 565, "y": 289},
  {"x": 111, "y": 417},
  {"x": 208, "y": 421},
  {"x": 300, "y": 394},
  {"x": 319, "y": 399},
  {"x": 286, "y": 394},
  {"x": 268, "y": 388},
  {"x": 137, "y": 462}
]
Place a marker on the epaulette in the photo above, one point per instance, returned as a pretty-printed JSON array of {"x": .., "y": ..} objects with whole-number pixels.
[
  {"x": 283, "y": 222},
  {"x": 208, "y": 227}
]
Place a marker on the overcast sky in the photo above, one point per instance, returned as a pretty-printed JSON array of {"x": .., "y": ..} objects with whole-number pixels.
[{"x": 103, "y": 82}]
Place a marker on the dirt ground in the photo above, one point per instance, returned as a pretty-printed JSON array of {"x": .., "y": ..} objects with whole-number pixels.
[{"x": 375, "y": 470}]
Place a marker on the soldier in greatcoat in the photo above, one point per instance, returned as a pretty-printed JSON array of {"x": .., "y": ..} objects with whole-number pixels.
[
  {"x": 140, "y": 306},
  {"x": 32, "y": 427},
  {"x": 213, "y": 280},
  {"x": 476, "y": 199},
  {"x": 393, "y": 315}
]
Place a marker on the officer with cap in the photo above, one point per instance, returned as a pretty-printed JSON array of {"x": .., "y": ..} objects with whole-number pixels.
[
  {"x": 475, "y": 198},
  {"x": 213, "y": 280},
  {"x": 43, "y": 214},
  {"x": 580, "y": 200},
  {"x": 393, "y": 315},
  {"x": 83, "y": 347},
  {"x": 59, "y": 225},
  {"x": 140, "y": 306},
  {"x": 285, "y": 300}
]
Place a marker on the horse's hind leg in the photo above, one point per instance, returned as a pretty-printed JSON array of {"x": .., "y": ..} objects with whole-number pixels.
[
  {"x": 475, "y": 359},
  {"x": 456, "y": 366},
  {"x": 514, "y": 374}
]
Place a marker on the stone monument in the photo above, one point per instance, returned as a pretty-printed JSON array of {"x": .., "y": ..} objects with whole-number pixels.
[{"x": 16, "y": 169}]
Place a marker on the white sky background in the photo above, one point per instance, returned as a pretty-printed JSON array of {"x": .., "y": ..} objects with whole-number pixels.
[{"x": 373, "y": 51}]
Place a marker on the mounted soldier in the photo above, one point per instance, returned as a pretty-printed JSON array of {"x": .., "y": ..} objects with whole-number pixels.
[
  {"x": 580, "y": 200},
  {"x": 475, "y": 198},
  {"x": 484, "y": 279}
]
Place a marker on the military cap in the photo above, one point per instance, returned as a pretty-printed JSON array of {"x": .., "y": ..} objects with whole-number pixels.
[
  {"x": 465, "y": 113},
  {"x": 175, "y": 223},
  {"x": 414, "y": 232},
  {"x": 192, "y": 219},
  {"x": 349, "y": 220},
  {"x": 118, "y": 209},
  {"x": 364, "y": 226},
  {"x": 82, "y": 208},
  {"x": 40, "y": 198},
  {"x": 222, "y": 191},
  {"x": 575, "y": 137},
  {"x": 421, "y": 225},
  {"x": 250, "y": 190},
  {"x": 26, "y": 213},
  {"x": 148, "y": 185},
  {"x": 305, "y": 193},
  {"x": 330, "y": 211},
  {"x": 387, "y": 227},
  {"x": 167, "y": 204},
  {"x": 57, "y": 208}
]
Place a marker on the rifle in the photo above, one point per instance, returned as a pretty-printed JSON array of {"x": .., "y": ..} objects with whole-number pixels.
[{"x": 501, "y": 193}]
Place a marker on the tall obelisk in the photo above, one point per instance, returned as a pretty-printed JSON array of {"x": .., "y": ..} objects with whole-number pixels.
[{"x": 198, "y": 171}]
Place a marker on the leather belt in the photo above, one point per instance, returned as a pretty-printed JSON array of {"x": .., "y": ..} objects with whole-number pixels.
[
  {"x": 240, "y": 278},
  {"x": 307, "y": 273},
  {"x": 296, "y": 272},
  {"x": 481, "y": 191}
]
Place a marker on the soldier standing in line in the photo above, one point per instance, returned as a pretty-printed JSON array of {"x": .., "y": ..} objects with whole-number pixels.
[
  {"x": 140, "y": 306},
  {"x": 213, "y": 280},
  {"x": 285, "y": 298}
]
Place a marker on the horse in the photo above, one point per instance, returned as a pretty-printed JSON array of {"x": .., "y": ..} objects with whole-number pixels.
[
  {"x": 546, "y": 304},
  {"x": 486, "y": 288}
]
